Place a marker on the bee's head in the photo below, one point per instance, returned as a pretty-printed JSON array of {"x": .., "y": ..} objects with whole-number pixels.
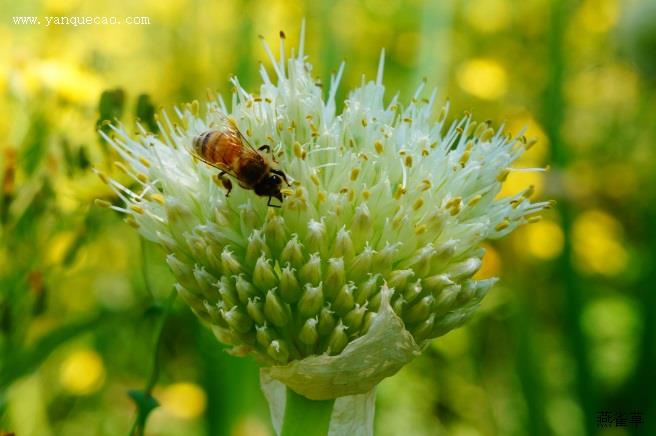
[{"x": 269, "y": 186}]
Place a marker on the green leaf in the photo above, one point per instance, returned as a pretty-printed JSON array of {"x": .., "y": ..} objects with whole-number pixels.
[
  {"x": 110, "y": 108},
  {"x": 145, "y": 111},
  {"x": 21, "y": 362},
  {"x": 145, "y": 404}
]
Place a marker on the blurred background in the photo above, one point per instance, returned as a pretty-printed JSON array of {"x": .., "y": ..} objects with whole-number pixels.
[{"x": 566, "y": 338}]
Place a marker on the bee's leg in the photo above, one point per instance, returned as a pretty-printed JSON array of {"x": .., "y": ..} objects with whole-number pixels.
[
  {"x": 268, "y": 149},
  {"x": 281, "y": 174},
  {"x": 225, "y": 181},
  {"x": 270, "y": 204}
]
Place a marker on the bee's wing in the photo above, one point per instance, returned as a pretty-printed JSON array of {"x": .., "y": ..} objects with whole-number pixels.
[
  {"x": 230, "y": 125},
  {"x": 218, "y": 166}
]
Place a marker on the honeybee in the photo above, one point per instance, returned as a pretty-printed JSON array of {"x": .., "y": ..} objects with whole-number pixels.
[{"x": 226, "y": 149}]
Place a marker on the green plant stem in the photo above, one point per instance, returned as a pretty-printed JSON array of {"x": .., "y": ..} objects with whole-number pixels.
[
  {"x": 145, "y": 402},
  {"x": 306, "y": 417},
  {"x": 571, "y": 284}
]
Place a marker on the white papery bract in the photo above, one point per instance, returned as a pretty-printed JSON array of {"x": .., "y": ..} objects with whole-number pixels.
[{"x": 388, "y": 205}]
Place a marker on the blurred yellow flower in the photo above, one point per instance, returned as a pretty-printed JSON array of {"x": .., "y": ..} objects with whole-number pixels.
[
  {"x": 596, "y": 238},
  {"x": 58, "y": 246},
  {"x": 491, "y": 266},
  {"x": 543, "y": 240},
  {"x": 603, "y": 87},
  {"x": 621, "y": 180},
  {"x": 382, "y": 7},
  {"x": 70, "y": 81},
  {"x": 170, "y": 10},
  {"x": 517, "y": 181},
  {"x": 520, "y": 119},
  {"x": 250, "y": 426},
  {"x": 406, "y": 48},
  {"x": 60, "y": 6},
  {"x": 612, "y": 324},
  {"x": 598, "y": 16},
  {"x": 82, "y": 372},
  {"x": 487, "y": 15},
  {"x": 483, "y": 78},
  {"x": 183, "y": 400}
]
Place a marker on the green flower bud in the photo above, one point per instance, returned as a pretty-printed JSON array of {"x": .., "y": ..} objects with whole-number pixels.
[
  {"x": 274, "y": 230},
  {"x": 420, "y": 311},
  {"x": 450, "y": 321},
  {"x": 362, "y": 264},
  {"x": 476, "y": 289},
  {"x": 423, "y": 331},
  {"x": 326, "y": 321},
  {"x": 311, "y": 301},
  {"x": 399, "y": 279},
  {"x": 316, "y": 237},
  {"x": 398, "y": 305},
  {"x": 181, "y": 271},
  {"x": 248, "y": 217},
  {"x": 445, "y": 251},
  {"x": 265, "y": 335},
  {"x": 237, "y": 319},
  {"x": 276, "y": 311},
  {"x": 255, "y": 310},
  {"x": 214, "y": 312},
  {"x": 192, "y": 300},
  {"x": 435, "y": 283},
  {"x": 256, "y": 247},
  {"x": 198, "y": 248},
  {"x": 384, "y": 259},
  {"x": 179, "y": 218},
  {"x": 464, "y": 269},
  {"x": 344, "y": 301},
  {"x": 366, "y": 323},
  {"x": 214, "y": 259},
  {"x": 278, "y": 351},
  {"x": 374, "y": 301},
  {"x": 421, "y": 263},
  {"x": 311, "y": 271},
  {"x": 446, "y": 298},
  {"x": 245, "y": 290},
  {"x": 290, "y": 290},
  {"x": 335, "y": 276},
  {"x": 293, "y": 253},
  {"x": 309, "y": 334},
  {"x": 344, "y": 245},
  {"x": 338, "y": 339},
  {"x": 263, "y": 275},
  {"x": 227, "y": 293},
  {"x": 367, "y": 288},
  {"x": 205, "y": 282},
  {"x": 412, "y": 291},
  {"x": 168, "y": 242},
  {"x": 353, "y": 319},
  {"x": 229, "y": 264},
  {"x": 361, "y": 228}
]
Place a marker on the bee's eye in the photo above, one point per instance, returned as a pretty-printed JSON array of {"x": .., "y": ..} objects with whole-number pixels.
[{"x": 275, "y": 180}]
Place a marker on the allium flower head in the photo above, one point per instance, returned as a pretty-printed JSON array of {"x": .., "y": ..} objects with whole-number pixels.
[{"x": 374, "y": 248}]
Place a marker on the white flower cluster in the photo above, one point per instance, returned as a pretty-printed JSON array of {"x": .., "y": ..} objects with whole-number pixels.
[{"x": 387, "y": 207}]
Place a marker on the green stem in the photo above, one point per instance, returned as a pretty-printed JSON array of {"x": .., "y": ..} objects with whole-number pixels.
[
  {"x": 144, "y": 400},
  {"x": 306, "y": 417}
]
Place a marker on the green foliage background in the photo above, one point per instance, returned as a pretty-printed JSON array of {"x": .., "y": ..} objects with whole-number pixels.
[{"x": 569, "y": 330}]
